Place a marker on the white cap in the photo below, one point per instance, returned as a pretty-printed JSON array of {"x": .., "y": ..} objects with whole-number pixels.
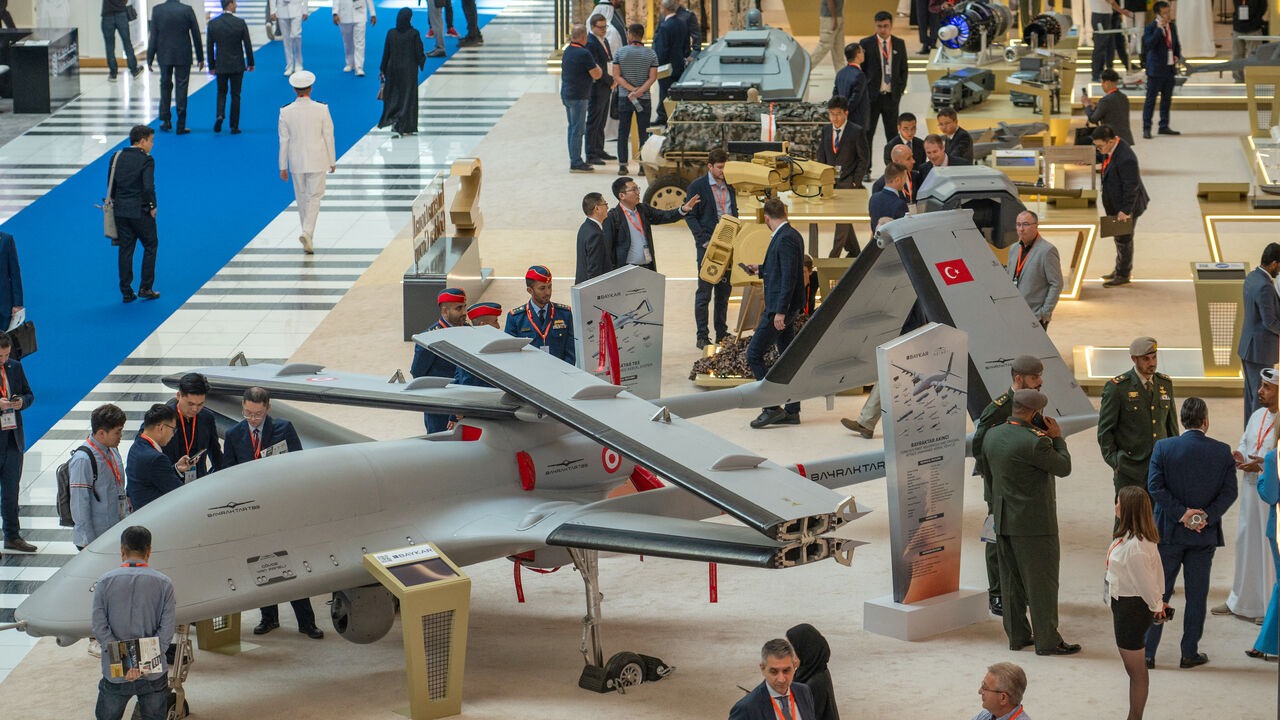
[
  {"x": 302, "y": 79},
  {"x": 1269, "y": 376}
]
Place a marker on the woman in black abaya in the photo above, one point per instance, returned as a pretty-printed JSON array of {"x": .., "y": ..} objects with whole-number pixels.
[
  {"x": 402, "y": 58},
  {"x": 814, "y": 652}
]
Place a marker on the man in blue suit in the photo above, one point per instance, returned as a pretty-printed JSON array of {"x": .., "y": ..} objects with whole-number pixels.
[
  {"x": 672, "y": 45},
  {"x": 151, "y": 473},
  {"x": 548, "y": 324},
  {"x": 10, "y": 281},
  {"x": 453, "y": 311},
  {"x": 778, "y": 696},
  {"x": 1192, "y": 482},
  {"x": 1260, "y": 336},
  {"x": 174, "y": 33},
  {"x": 1164, "y": 52},
  {"x": 888, "y": 202},
  {"x": 260, "y": 435},
  {"x": 718, "y": 199},
  {"x": 784, "y": 298},
  {"x": 15, "y": 396}
]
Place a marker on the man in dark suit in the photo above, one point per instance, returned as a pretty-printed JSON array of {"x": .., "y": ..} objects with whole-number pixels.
[
  {"x": 174, "y": 31},
  {"x": 257, "y": 436},
  {"x": 594, "y": 255},
  {"x": 779, "y": 695},
  {"x": 1260, "y": 337},
  {"x": 1192, "y": 482},
  {"x": 851, "y": 84},
  {"x": 197, "y": 428},
  {"x": 1112, "y": 108},
  {"x": 601, "y": 91},
  {"x": 843, "y": 146},
  {"x": 15, "y": 396},
  {"x": 784, "y": 297},
  {"x": 718, "y": 198},
  {"x": 1164, "y": 52},
  {"x": 10, "y": 282},
  {"x": 151, "y": 473},
  {"x": 1123, "y": 195},
  {"x": 902, "y": 155},
  {"x": 886, "y": 69},
  {"x": 628, "y": 228},
  {"x": 230, "y": 54},
  {"x": 133, "y": 188},
  {"x": 935, "y": 151},
  {"x": 671, "y": 44},
  {"x": 690, "y": 19},
  {"x": 959, "y": 143},
  {"x": 888, "y": 202},
  {"x": 453, "y": 311},
  {"x": 906, "y": 136}
]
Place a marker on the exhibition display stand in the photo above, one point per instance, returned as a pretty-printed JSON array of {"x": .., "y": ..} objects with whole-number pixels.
[{"x": 44, "y": 69}]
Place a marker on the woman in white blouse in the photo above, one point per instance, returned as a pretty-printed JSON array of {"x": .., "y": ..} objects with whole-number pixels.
[{"x": 1135, "y": 585}]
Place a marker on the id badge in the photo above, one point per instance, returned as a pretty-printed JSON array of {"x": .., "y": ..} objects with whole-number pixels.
[
  {"x": 122, "y": 505},
  {"x": 988, "y": 529},
  {"x": 546, "y": 349},
  {"x": 1243, "y": 12},
  {"x": 1171, "y": 57},
  {"x": 837, "y": 167},
  {"x": 189, "y": 476},
  {"x": 8, "y": 420}
]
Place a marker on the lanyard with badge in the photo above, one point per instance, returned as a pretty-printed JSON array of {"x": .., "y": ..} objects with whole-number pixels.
[
  {"x": 1168, "y": 40},
  {"x": 8, "y": 418},
  {"x": 778, "y": 708},
  {"x": 638, "y": 224},
  {"x": 551, "y": 314},
  {"x": 1106, "y": 584},
  {"x": 122, "y": 499},
  {"x": 188, "y": 441},
  {"x": 1023, "y": 252},
  {"x": 722, "y": 201}
]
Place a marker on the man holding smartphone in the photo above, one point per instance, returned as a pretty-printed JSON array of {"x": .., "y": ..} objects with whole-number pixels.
[{"x": 197, "y": 433}]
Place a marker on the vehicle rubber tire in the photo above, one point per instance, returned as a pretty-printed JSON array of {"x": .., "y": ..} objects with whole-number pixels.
[
  {"x": 666, "y": 192},
  {"x": 625, "y": 669}
]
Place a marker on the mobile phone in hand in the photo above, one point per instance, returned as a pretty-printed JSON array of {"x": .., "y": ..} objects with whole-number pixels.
[
  {"x": 746, "y": 269},
  {"x": 196, "y": 458}
]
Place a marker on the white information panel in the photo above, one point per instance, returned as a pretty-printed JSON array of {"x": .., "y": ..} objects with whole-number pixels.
[{"x": 634, "y": 299}]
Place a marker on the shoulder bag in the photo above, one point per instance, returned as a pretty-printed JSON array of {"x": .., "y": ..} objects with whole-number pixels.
[{"x": 108, "y": 203}]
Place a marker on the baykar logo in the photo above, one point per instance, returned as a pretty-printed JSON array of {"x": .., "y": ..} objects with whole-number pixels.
[{"x": 954, "y": 272}]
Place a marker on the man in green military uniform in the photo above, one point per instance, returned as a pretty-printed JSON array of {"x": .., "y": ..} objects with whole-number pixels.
[
  {"x": 1023, "y": 461},
  {"x": 1137, "y": 410},
  {"x": 1026, "y": 370}
]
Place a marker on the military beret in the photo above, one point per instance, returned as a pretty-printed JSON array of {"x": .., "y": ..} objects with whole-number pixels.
[
  {"x": 1142, "y": 346},
  {"x": 1033, "y": 400},
  {"x": 1027, "y": 365},
  {"x": 538, "y": 273},
  {"x": 482, "y": 309},
  {"x": 302, "y": 79},
  {"x": 457, "y": 295},
  {"x": 1269, "y": 375}
]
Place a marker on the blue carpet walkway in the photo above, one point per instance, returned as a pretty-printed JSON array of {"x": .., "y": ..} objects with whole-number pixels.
[{"x": 215, "y": 194}]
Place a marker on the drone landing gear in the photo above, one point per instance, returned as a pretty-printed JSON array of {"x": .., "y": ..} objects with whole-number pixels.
[
  {"x": 625, "y": 669},
  {"x": 179, "y": 665}
]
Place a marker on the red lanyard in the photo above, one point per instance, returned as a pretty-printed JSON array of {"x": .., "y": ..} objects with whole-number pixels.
[
  {"x": 1112, "y": 90},
  {"x": 148, "y": 439},
  {"x": 573, "y": 44},
  {"x": 1168, "y": 38},
  {"x": 110, "y": 462},
  {"x": 884, "y": 53},
  {"x": 778, "y": 708},
  {"x": 1113, "y": 549},
  {"x": 1263, "y": 433},
  {"x": 1106, "y": 161},
  {"x": 910, "y": 190},
  {"x": 638, "y": 224},
  {"x": 4, "y": 383},
  {"x": 133, "y": 564},
  {"x": 256, "y": 441},
  {"x": 1022, "y": 259},
  {"x": 722, "y": 203},
  {"x": 1015, "y": 715},
  {"x": 187, "y": 442},
  {"x": 551, "y": 313},
  {"x": 441, "y": 324}
]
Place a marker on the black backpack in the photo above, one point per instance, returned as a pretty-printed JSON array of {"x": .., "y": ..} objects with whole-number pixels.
[{"x": 64, "y": 486}]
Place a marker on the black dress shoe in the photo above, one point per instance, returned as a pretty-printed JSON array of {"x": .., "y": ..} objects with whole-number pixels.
[
  {"x": 1063, "y": 648},
  {"x": 166, "y": 127},
  {"x": 130, "y": 298},
  {"x": 217, "y": 125},
  {"x": 790, "y": 419},
  {"x": 20, "y": 545},
  {"x": 721, "y": 338},
  {"x": 595, "y": 161},
  {"x": 703, "y": 341},
  {"x": 1115, "y": 281},
  {"x": 1186, "y": 662},
  {"x": 1026, "y": 644},
  {"x": 1168, "y": 131},
  {"x": 236, "y": 131},
  {"x": 312, "y": 632},
  {"x": 1146, "y": 134},
  {"x": 265, "y": 627},
  {"x": 181, "y": 131},
  {"x": 768, "y": 416},
  {"x": 996, "y": 607},
  {"x": 148, "y": 294},
  {"x": 1108, "y": 276},
  {"x": 436, "y": 54},
  {"x": 607, "y": 156},
  {"x": 1151, "y": 663}
]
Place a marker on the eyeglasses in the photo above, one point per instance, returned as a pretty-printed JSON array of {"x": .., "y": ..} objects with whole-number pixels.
[
  {"x": 1024, "y": 224},
  {"x": 252, "y": 415},
  {"x": 171, "y": 427},
  {"x": 985, "y": 689},
  {"x": 631, "y": 189}
]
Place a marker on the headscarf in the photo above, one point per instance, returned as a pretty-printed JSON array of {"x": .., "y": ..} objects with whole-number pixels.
[
  {"x": 404, "y": 20},
  {"x": 605, "y": 10},
  {"x": 811, "y": 648}
]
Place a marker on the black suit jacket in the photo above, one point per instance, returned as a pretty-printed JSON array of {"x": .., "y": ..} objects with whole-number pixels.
[
  {"x": 917, "y": 149},
  {"x": 594, "y": 258},
  {"x": 18, "y": 388},
  {"x": 672, "y": 45},
  {"x": 618, "y": 235},
  {"x": 1158, "y": 50},
  {"x": 240, "y": 444},
  {"x": 1122, "y": 189},
  {"x": 885, "y": 205},
  {"x": 913, "y": 183},
  {"x": 851, "y": 84},
  {"x": 702, "y": 218},
  {"x": 872, "y": 64},
  {"x": 757, "y": 704},
  {"x": 174, "y": 31},
  {"x": 961, "y": 145},
  {"x": 952, "y": 160},
  {"x": 197, "y": 436},
  {"x": 1113, "y": 109},
  {"x": 1191, "y": 471},
  {"x": 150, "y": 474},
  {"x": 134, "y": 189},
  {"x": 848, "y": 154},
  {"x": 783, "y": 273},
  {"x": 229, "y": 45}
]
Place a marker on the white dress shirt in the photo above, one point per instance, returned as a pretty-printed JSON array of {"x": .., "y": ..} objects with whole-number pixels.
[{"x": 1134, "y": 570}]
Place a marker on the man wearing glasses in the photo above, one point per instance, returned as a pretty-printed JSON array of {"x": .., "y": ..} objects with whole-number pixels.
[
  {"x": 1001, "y": 692},
  {"x": 151, "y": 473},
  {"x": 1036, "y": 268},
  {"x": 594, "y": 255},
  {"x": 629, "y": 227},
  {"x": 255, "y": 437}
]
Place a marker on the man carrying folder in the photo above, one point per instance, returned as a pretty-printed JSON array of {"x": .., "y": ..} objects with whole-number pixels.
[{"x": 1123, "y": 198}]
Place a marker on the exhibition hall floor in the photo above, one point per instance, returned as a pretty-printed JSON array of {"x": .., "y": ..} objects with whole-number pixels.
[{"x": 523, "y": 659}]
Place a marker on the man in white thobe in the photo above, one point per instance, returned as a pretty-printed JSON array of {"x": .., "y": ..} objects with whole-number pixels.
[
  {"x": 1255, "y": 572},
  {"x": 350, "y": 16},
  {"x": 306, "y": 150},
  {"x": 290, "y": 14}
]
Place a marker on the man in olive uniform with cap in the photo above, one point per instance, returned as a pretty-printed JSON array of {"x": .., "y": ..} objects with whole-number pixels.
[
  {"x": 548, "y": 324},
  {"x": 1026, "y": 371},
  {"x": 453, "y": 312},
  {"x": 1137, "y": 410},
  {"x": 1023, "y": 461}
]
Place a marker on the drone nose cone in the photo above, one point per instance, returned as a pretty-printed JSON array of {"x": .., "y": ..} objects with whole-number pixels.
[{"x": 62, "y": 606}]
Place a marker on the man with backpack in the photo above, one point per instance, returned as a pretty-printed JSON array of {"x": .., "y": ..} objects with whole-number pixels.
[{"x": 96, "y": 478}]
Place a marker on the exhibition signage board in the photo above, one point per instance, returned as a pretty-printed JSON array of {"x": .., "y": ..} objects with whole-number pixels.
[
  {"x": 923, "y": 377},
  {"x": 428, "y": 216},
  {"x": 634, "y": 298}
]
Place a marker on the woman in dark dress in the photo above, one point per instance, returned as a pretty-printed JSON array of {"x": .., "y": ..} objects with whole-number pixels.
[
  {"x": 814, "y": 652},
  {"x": 402, "y": 58}
]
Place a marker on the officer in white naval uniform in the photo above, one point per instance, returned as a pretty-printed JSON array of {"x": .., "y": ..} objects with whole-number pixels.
[
  {"x": 290, "y": 14},
  {"x": 349, "y": 16},
  {"x": 306, "y": 149}
]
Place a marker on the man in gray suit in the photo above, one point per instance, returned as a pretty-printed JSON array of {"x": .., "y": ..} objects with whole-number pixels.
[
  {"x": 1260, "y": 337},
  {"x": 1112, "y": 109},
  {"x": 1036, "y": 268}
]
